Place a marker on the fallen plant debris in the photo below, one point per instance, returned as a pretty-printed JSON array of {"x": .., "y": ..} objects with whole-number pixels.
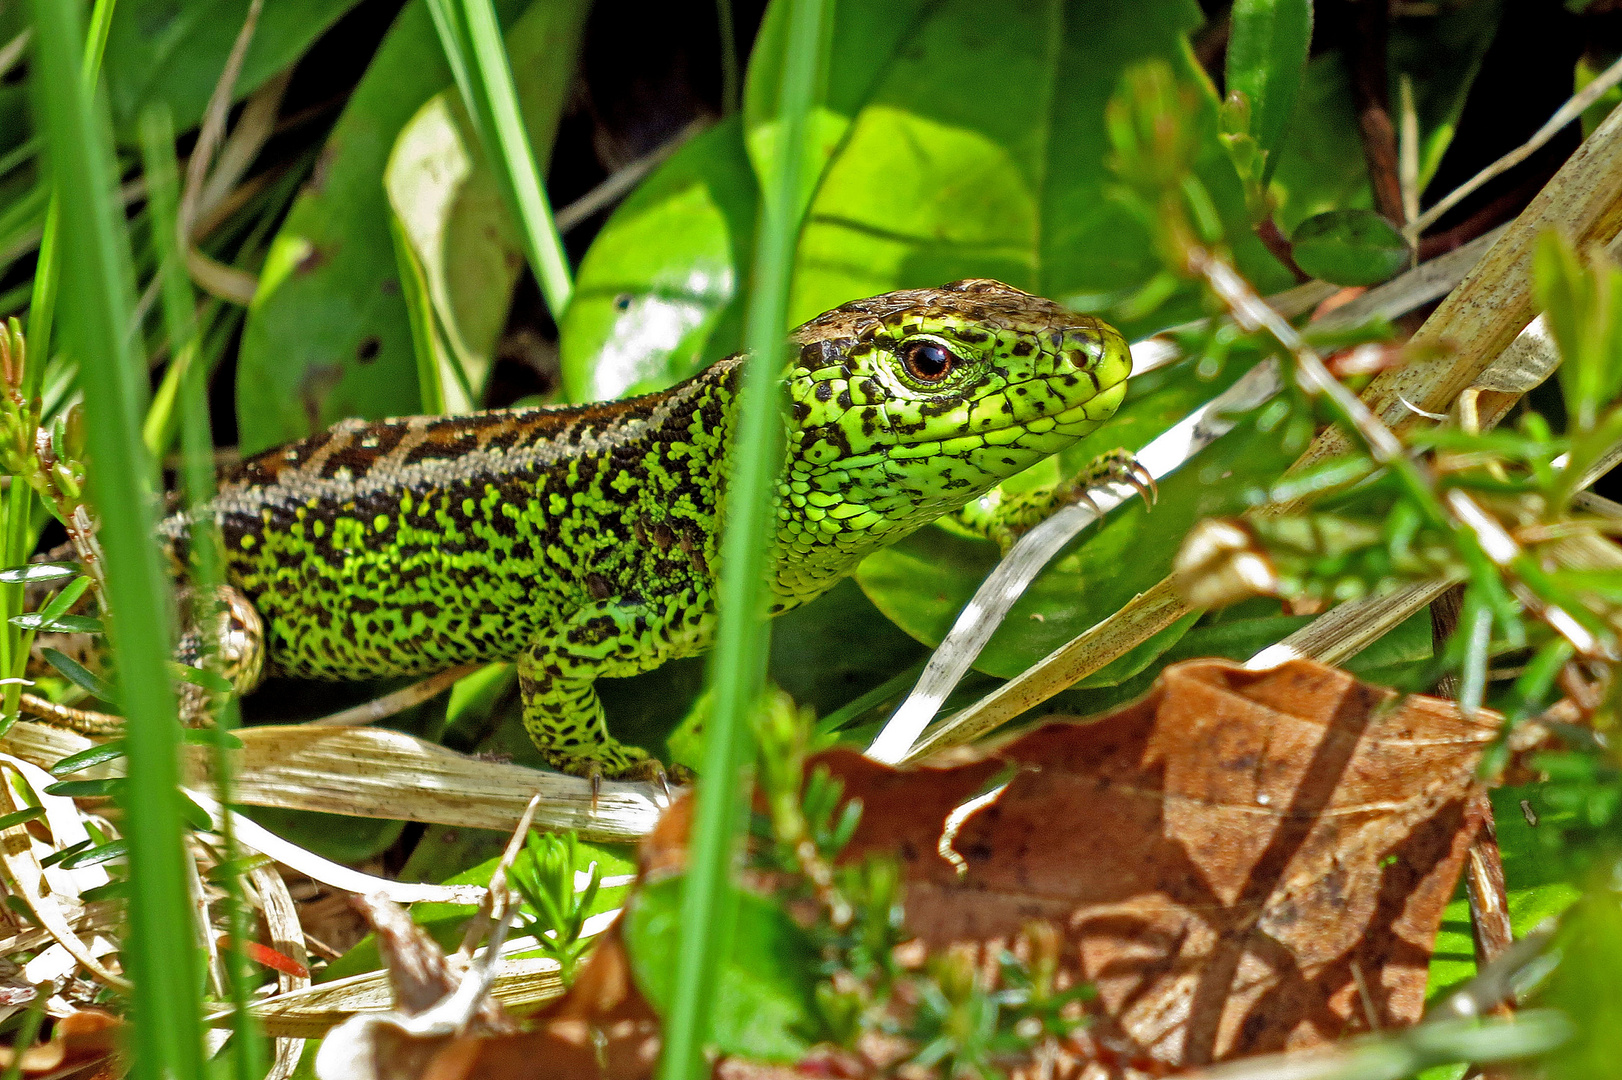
[
  {"x": 384, "y": 1046},
  {"x": 602, "y": 1028},
  {"x": 1239, "y": 863},
  {"x": 86, "y": 1044}
]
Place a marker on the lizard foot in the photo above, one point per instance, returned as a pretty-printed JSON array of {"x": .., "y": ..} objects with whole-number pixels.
[
  {"x": 1112, "y": 467},
  {"x": 645, "y": 769},
  {"x": 618, "y": 762}
]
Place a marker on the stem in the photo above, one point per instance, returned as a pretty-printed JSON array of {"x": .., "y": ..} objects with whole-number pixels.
[
  {"x": 738, "y": 667},
  {"x": 1370, "y": 90},
  {"x": 729, "y": 57}
]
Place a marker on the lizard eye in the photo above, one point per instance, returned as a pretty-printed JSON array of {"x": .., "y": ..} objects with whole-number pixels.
[{"x": 928, "y": 361}]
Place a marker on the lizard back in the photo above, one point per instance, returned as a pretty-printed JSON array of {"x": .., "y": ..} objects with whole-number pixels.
[{"x": 404, "y": 546}]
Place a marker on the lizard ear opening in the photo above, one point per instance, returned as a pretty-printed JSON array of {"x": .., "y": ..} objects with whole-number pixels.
[{"x": 927, "y": 361}]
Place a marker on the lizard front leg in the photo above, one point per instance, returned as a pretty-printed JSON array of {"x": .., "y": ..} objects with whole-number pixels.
[
  {"x": 557, "y": 676},
  {"x": 1003, "y": 518}
]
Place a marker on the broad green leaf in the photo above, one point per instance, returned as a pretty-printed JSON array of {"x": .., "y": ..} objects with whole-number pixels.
[
  {"x": 334, "y": 836},
  {"x": 825, "y": 655},
  {"x": 62, "y": 624},
  {"x": 1267, "y": 51},
  {"x": 863, "y": 40},
  {"x": 174, "y": 50},
  {"x": 763, "y": 1006},
  {"x": 836, "y": 648},
  {"x": 38, "y": 573},
  {"x": 474, "y": 697},
  {"x": 1349, "y": 247},
  {"x": 1003, "y": 174},
  {"x": 447, "y": 196},
  {"x": 929, "y": 175},
  {"x": 328, "y": 335},
  {"x": 656, "y": 298}
]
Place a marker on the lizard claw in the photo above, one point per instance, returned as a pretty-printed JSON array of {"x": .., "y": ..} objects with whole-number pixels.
[
  {"x": 1120, "y": 467},
  {"x": 1142, "y": 481},
  {"x": 1115, "y": 467}
]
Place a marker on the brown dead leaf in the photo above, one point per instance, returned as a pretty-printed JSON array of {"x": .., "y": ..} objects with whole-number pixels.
[
  {"x": 1227, "y": 859},
  {"x": 79, "y": 1041},
  {"x": 1241, "y": 862},
  {"x": 376, "y": 1046},
  {"x": 602, "y": 1029}
]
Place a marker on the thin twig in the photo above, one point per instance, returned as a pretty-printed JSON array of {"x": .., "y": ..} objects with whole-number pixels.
[
  {"x": 1387, "y": 450},
  {"x": 84, "y": 721},
  {"x": 498, "y": 897},
  {"x": 1369, "y": 89},
  {"x": 248, "y": 136},
  {"x": 622, "y": 180},
  {"x": 1408, "y": 146},
  {"x": 1568, "y": 112},
  {"x": 14, "y": 49},
  {"x": 228, "y": 283},
  {"x": 1007, "y": 582},
  {"x": 386, "y": 706},
  {"x": 1489, "y": 896}
]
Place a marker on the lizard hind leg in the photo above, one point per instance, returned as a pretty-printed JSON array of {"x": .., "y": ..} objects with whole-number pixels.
[
  {"x": 557, "y": 677},
  {"x": 227, "y": 635}
]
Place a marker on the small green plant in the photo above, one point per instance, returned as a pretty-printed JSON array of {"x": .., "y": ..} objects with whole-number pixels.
[
  {"x": 555, "y": 910},
  {"x": 953, "y": 1018},
  {"x": 965, "y": 1028}
]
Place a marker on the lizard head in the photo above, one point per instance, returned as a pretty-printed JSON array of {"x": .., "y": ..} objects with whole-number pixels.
[{"x": 910, "y": 404}]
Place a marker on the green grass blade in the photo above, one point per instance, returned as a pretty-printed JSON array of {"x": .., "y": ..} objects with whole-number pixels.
[
  {"x": 18, "y": 534},
  {"x": 159, "y": 949},
  {"x": 453, "y": 40},
  {"x": 42, "y": 304},
  {"x": 95, "y": 42},
  {"x": 190, "y": 377},
  {"x": 471, "y": 37},
  {"x": 738, "y": 665},
  {"x": 42, "y": 308},
  {"x": 731, "y": 81}
]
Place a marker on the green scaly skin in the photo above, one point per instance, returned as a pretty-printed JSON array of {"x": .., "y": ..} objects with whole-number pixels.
[{"x": 582, "y": 542}]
